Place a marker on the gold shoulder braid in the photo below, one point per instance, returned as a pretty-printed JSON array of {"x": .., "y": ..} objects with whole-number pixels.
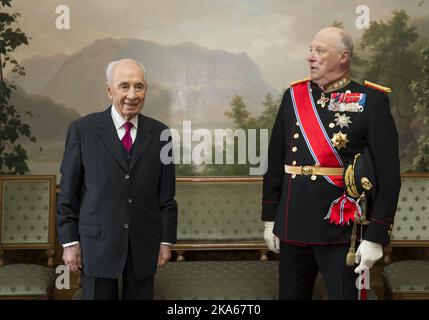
[
  {"x": 377, "y": 87},
  {"x": 300, "y": 81}
]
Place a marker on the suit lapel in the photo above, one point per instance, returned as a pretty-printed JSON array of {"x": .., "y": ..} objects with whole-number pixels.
[
  {"x": 143, "y": 140},
  {"x": 108, "y": 135}
]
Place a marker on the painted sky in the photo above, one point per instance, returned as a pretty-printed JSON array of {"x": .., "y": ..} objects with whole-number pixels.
[{"x": 274, "y": 33}]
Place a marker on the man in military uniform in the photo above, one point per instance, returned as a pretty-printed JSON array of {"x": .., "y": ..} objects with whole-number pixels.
[{"x": 309, "y": 208}]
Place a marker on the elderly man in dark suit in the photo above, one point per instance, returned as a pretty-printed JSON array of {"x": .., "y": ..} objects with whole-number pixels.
[
  {"x": 116, "y": 213},
  {"x": 325, "y": 124}
]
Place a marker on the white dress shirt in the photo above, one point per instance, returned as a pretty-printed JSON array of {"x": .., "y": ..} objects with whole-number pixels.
[{"x": 119, "y": 122}]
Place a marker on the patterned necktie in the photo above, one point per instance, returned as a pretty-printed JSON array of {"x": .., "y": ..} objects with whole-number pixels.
[{"x": 126, "y": 140}]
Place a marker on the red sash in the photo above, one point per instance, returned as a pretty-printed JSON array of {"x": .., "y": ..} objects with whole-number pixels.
[
  {"x": 342, "y": 209},
  {"x": 314, "y": 133}
]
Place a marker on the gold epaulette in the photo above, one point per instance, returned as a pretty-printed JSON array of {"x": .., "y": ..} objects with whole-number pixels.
[
  {"x": 299, "y": 81},
  {"x": 377, "y": 87}
]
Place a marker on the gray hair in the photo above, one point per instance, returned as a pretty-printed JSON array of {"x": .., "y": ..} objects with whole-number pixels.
[
  {"x": 112, "y": 65},
  {"x": 345, "y": 42}
]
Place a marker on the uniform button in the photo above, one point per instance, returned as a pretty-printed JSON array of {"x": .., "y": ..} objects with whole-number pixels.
[
  {"x": 331, "y": 125},
  {"x": 130, "y": 200},
  {"x": 294, "y": 149},
  {"x": 293, "y": 176},
  {"x": 313, "y": 177},
  {"x": 296, "y": 135},
  {"x": 297, "y": 123},
  {"x": 294, "y": 163},
  {"x": 125, "y": 226},
  {"x": 127, "y": 176},
  {"x": 389, "y": 232}
]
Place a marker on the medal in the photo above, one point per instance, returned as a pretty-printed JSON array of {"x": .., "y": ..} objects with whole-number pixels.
[
  {"x": 347, "y": 102},
  {"x": 323, "y": 100},
  {"x": 339, "y": 140},
  {"x": 342, "y": 120}
]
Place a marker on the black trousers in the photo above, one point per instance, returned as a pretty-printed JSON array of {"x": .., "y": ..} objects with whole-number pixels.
[
  {"x": 108, "y": 289},
  {"x": 299, "y": 266}
]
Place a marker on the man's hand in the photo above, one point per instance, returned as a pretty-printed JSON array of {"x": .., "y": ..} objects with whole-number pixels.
[
  {"x": 72, "y": 257},
  {"x": 367, "y": 254},
  {"x": 272, "y": 241},
  {"x": 164, "y": 255}
]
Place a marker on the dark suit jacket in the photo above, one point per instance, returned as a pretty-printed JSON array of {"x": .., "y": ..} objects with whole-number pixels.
[
  {"x": 107, "y": 204},
  {"x": 299, "y": 204}
]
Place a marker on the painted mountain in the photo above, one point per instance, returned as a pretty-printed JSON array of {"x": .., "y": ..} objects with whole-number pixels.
[
  {"x": 48, "y": 120},
  {"x": 186, "y": 81},
  {"x": 39, "y": 71}
]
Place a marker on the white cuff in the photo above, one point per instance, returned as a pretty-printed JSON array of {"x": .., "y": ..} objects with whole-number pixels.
[{"x": 69, "y": 244}]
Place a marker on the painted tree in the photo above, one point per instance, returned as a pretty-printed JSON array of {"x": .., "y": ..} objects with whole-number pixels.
[
  {"x": 391, "y": 49},
  {"x": 13, "y": 157},
  {"x": 393, "y": 61},
  {"x": 243, "y": 119},
  {"x": 239, "y": 113},
  {"x": 269, "y": 113},
  {"x": 420, "y": 91}
]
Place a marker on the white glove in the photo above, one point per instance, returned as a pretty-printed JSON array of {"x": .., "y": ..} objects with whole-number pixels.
[
  {"x": 272, "y": 241},
  {"x": 367, "y": 254}
]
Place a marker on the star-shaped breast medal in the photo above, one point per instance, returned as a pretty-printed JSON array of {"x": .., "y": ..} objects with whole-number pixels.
[
  {"x": 342, "y": 120},
  {"x": 339, "y": 140}
]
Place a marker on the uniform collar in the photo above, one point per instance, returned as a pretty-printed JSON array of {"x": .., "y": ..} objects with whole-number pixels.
[{"x": 337, "y": 84}]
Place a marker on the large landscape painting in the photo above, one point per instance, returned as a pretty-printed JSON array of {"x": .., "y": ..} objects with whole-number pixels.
[{"x": 201, "y": 54}]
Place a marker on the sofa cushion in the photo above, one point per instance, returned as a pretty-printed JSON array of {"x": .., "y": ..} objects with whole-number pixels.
[
  {"x": 218, "y": 280},
  {"x": 407, "y": 276},
  {"x": 25, "y": 280},
  {"x": 225, "y": 280}
]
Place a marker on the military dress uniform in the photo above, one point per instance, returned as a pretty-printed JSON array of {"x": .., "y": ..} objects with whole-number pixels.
[{"x": 299, "y": 195}]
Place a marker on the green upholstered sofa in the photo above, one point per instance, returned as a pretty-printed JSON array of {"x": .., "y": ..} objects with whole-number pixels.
[
  {"x": 409, "y": 279},
  {"x": 223, "y": 215},
  {"x": 219, "y": 214},
  {"x": 226, "y": 280},
  {"x": 27, "y": 222}
]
